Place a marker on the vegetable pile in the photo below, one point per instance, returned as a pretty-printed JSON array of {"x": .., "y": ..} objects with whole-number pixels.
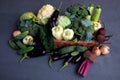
[{"x": 78, "y": 36}]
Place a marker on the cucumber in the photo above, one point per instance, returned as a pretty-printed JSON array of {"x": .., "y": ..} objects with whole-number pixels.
[
  {"x": 22, "y": 35},
  {"x": 80, "y": 48},
  {"x": 25, "y": 50},
  {"x": 13, "y": 45},
  {"x": 67, "y": 49},
  {"x": 20, "y": 44},
  {"x": 74, "y": 53}
]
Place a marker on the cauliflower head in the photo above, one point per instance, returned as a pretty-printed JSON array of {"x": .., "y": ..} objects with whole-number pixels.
[{"x": 45, "y": 13}]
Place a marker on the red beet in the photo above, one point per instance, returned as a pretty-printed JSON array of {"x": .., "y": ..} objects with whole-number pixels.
[{"x": 102, "y": 31}]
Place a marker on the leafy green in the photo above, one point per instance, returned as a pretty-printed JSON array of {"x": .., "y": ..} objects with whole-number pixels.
[
  {"x": 29, "y": 25},
  {"x": 82, "y": 27},
  {"x": 46, "y": 38}
]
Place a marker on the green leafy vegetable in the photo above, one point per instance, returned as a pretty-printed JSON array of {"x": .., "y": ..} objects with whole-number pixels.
[
  {"x": 45, "y": 35},
  {"x": 29, "y": 25}
]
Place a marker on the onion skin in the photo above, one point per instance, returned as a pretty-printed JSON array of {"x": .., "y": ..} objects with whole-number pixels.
[{"x": 105, "y": 49}]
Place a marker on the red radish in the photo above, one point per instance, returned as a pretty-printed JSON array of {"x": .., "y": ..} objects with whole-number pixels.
[
  {"x": 105, "y": 49},
  {"x": 96, "y": 51}
]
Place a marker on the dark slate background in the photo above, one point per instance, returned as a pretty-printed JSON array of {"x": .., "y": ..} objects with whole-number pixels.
[{"x": 105, "y": 68}]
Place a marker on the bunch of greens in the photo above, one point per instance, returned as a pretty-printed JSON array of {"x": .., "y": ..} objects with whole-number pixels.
[{"x": 80, "y": 24}]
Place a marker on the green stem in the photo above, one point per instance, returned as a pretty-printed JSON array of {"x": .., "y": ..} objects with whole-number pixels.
[
  {"x": 50, "y": 63},
  {"x": 60, "y": 5},
  {"x": 23, "y": 58},
  {"x": 65, "y": 65}
]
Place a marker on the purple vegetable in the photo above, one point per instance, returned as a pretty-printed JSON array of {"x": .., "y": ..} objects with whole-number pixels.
[{"x": 84, "y": 67}]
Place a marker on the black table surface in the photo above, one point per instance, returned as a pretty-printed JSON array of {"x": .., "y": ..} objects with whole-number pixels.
[{"x": 105, "y": 67}]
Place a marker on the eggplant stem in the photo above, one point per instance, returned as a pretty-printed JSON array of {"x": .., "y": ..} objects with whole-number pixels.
[{"x": 23, "y": 58}]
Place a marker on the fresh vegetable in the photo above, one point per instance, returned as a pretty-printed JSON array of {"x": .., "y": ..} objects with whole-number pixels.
[
  {"x": 57, "y": 32},
  {"x": 45, "y": 36},
  {"x": 89, "y": 55},
  {"x": 54, "y": 18},
  {"x": 84, "y": 67},
  {"x": 96, "y": 26},
  {"x": 67, "y": 49},
  {"x": 101, "y": 31},
  {"x": 25, "y": 50},
  {"x": 45, "y": 13},
  {"x": 67, "y": 61},
  {"x": 58, "y": 57},
  {"x": 29, "y": 25},
  {"x": 13, "y": 45},
  {"x": 16, "y": 33},
  {"x": 20, "y": 44},
  {"x": 75, "y": 36},
  {"x": 105, "y": 49},
  {"x": 76, "y": 11},
  {"x": 96, "y": 51},
  {"x": 22, "y": 35},
  {"x": 74, "y": 53},
  {"x": 68, "y": 34},
  {"x": 91, "y": 8},
  {"x": 77, "y": 59},
  {"x": 63, "y": 21},
  {"x": 28, "y": 40},
  {"x": 27, "y": 16},
  {"x": 96, "y": 14}
]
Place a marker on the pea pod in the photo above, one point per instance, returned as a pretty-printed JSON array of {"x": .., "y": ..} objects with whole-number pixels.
[
  {"x": 20, "y": 44},
  {"x": 12, "y": 44},
  {"x": 25, "y": 50},
  {"x": 22, "y": 35}
]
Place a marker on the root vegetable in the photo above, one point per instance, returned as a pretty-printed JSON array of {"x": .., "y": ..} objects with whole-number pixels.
[
  {"x": 96, "y": 51},
  {"x": 105, "y": 49},
  {"x": 16, "y": 33},
  {"x": 28, "y": 40}
]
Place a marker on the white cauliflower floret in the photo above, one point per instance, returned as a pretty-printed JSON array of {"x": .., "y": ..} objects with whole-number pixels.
[{"x": 45, "y": 13}]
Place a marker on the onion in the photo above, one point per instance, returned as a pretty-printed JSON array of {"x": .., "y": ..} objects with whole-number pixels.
[
  {"x": 16, "y": 33},
  {"x": 96, "y": 51},
  {"x": 105, "y": 49}
]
